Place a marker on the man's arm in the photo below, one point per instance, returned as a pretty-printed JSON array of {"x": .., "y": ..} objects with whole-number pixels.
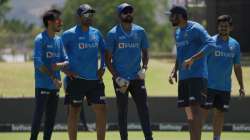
[
  {"x": 39, "y": 64},
  {"x": 102, "y": 47},
  {"x": 173, "y": 73},
  {"x": 238, "y": 73},
  {"x": 63, "y": 58},
  {"x": 208, "y": 48},
  {"x": 145, "y": 58},
  {"x": 108, "y": 61}
]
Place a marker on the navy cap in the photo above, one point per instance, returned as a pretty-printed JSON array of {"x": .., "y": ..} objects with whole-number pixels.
[
  {"x": 85, "y": 8},
  {"x": 123, "y": 6},
  {"x": 177, "y": 9}
]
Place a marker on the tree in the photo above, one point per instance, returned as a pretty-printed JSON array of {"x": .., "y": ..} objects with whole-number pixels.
[{"x": 4, "y": 8}]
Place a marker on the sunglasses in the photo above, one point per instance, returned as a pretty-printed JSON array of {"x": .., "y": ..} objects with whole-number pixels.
[
  {"x": 125, "y": 12},
  {"x": 87, "y": 15}
]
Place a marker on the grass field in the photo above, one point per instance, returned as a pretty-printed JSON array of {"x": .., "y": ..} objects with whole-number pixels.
[
  {"x": 132, "y": 136},
  {"x": 16, "y": 80}
]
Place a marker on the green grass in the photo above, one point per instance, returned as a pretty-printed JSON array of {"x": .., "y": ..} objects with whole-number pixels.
[
  {"x": 132, "y": 136},
  {"x": 16, "y": 80}
]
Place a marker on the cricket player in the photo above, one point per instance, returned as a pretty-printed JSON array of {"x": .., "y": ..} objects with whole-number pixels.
[
  {"x": 49, "y": 58},
  {"x": 83, "y": 44},
  {"x": 127, "y": 47},
  {"x": 67, "y": 102},
  {"x": 220, "y": 64},
  {"x": 191, "y": 38}
]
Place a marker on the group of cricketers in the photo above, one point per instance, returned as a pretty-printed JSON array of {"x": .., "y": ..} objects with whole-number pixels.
[{"x": 204, "y": 65}]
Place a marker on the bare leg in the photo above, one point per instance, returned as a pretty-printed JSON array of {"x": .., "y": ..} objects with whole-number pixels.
[
  {"x": 73, "y": 118},
  {"x": 218, "y": 122},
  {"x": 100, "y": 111},
  {"x": 195, "y": 121}
]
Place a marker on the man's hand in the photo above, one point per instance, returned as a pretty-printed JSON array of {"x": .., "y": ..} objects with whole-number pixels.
[
  {"x": 122, "y": 83},
  {"x": 172, "y": 75},
  {"x": 242, "y": 92},
  {"x": 70, "y": 74},
  {"x": 142, "y": 74},
  {"x": 100, "y": 73},
  {"x": 188, "y": 63},
  {"x": 57, "y": 83},
  {"x": 59, "y": 66}
]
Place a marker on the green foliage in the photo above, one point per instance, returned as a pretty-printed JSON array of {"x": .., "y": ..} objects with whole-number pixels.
[
  {"x": 106, "y": 17},
  {"x": 4, "y": 8},
  {"x": 17, "y": 26}
]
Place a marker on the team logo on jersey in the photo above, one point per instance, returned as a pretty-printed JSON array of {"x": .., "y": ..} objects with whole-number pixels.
[
  {"x": 231, "y": 48},
  {"x": 92, "y": 37},
  {"x": 49, "y": 54}
]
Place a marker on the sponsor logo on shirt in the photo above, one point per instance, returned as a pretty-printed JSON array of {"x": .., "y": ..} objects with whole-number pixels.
[
  {"x": 128, "y": 45},
  {"x": 87, "y": 45},
  {"x": 218, "y": 53}
]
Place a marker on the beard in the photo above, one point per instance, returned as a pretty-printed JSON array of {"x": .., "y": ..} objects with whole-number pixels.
[
  {"x": 223, "y": 34},
  {"x": 86, "y": 22},
  {"x": 174, "y": 24},
  {"x": 127, "y": 19}
]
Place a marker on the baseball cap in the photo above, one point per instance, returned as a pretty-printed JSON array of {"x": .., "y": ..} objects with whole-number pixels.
[
  {"x": 85, "y": 8},
  {"x": 123, "y": 6},
  {"x": 177, "y": 9}
]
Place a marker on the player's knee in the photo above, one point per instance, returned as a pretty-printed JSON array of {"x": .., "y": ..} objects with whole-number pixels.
[
  {"x": 74, "y": 110},
  {"x": 99, "y": 108},
  {"x": 218, "y": 113}
]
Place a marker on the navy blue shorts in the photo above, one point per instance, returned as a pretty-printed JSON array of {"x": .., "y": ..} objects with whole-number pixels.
[
  {"x": 192, "y": 90},
  {"x": 217, "y": 99},
  {"x": 77, "y": 89}
]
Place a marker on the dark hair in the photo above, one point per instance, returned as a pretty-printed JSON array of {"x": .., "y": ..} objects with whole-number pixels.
[
  {"x": 50, "y": 15},
  {"x": 176, "y": 9},
  {"x": 225, "y": 18}
]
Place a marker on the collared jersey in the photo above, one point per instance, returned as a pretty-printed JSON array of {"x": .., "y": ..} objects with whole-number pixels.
[
  {"x": 190, "y": 40},
  {"x": 126, "y": 50},
  {"x": 82, "y": 49},
  {"x": 47, "y": 51},
  {"x": 220, "y": 63}
]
